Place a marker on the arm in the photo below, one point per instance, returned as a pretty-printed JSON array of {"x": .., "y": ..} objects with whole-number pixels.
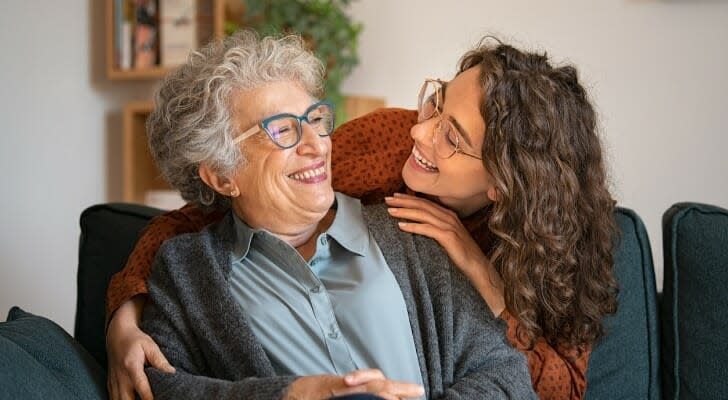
[
  {"x": 556, "y": 373},
  {"x": 485, "y": 363},
  {"x": 167, "y": 321},
  {"x": 127, "y": 346},
  {"x": 131, "y": 280},
  {"x": 175, "y": 301}
]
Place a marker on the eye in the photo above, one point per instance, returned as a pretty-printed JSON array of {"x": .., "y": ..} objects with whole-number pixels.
[{"x": 450, "y": 135}]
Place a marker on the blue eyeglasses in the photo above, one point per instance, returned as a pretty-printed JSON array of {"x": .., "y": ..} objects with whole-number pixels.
[{"x": 285, "y": 130}]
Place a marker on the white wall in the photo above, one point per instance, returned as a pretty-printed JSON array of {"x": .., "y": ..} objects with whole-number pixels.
[
  {"x": 59, "y": 152},
  {"x": 657, "y": 70}
]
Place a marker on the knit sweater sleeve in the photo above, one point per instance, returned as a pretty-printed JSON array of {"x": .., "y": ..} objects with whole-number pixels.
[
  {"x": 487, "y": 365},
  {"x": 132, "y": 280},
  {"x": 167, "y": 319},
  {"x": 463, "y": 349}
]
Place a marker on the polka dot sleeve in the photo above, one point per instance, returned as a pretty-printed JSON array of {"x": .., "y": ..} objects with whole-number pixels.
[{"x": 556, "y": 374}]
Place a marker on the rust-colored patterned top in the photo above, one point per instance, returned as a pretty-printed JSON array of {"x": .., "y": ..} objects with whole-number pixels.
[{"x": 367, "y": 158}]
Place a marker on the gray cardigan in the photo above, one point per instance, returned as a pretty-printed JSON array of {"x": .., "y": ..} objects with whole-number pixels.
[{"x": 192, "y": 315}]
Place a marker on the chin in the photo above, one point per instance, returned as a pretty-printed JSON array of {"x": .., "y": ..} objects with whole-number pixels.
[{"x": 412, "y": 180}]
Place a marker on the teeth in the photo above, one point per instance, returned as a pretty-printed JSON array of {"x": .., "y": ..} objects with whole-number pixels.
[
  {"x": 422, "y": 161},
  {"x": 308, "y": 174}
]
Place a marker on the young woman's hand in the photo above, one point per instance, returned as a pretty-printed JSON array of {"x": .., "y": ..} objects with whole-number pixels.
[
  {"x": 426, "y": 218},
  {"x": 129, "y": 349},
  {"x": 371, "y": 381}
]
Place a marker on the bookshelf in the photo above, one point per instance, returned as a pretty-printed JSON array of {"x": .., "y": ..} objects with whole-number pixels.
[
  {"x": 140, "y": 175},
  {"x": 141, "y": 179},
  {"x": 114, "y": 72}
]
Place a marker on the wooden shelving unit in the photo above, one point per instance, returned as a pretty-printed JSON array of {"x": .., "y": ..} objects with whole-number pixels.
[
  {"x": 115, "y": 73},
  {"x": 139, "y": 172}
]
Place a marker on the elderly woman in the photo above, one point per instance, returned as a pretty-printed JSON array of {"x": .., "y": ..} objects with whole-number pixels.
[{"x": 298, "y": 292}]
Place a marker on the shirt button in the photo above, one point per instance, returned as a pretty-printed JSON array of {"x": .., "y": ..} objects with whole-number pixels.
[
  {"x": 316, "y": 289},
  {"x": 324, "y": 240},
  {"x": 334, "y": 335},
  {"x": 313, "y": 262}
]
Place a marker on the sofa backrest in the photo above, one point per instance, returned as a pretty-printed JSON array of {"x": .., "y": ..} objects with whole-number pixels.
[
  {"x": 625, "y": 363},
  {"x": 108, "y": 235},
  {"x": 694, "y": 302}
]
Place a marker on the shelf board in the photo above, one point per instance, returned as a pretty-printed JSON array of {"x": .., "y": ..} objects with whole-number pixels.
[{"x": 132, "y": 74}]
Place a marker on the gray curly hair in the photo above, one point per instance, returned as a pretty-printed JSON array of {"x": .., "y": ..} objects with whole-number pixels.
[{"x": 192, "y": 122}]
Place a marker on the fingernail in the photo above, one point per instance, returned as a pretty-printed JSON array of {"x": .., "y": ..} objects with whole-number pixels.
[
  {"x": 391, "y": 210},
  {"x": 387, "y": 198},
  {"x": 402, "y": 223}
]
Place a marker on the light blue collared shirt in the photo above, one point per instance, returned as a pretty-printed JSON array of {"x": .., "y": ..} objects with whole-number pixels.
[{"x": 339, "y": 312}]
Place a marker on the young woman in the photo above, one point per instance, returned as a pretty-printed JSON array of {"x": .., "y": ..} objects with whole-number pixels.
[{"x": 509, "y": 153}]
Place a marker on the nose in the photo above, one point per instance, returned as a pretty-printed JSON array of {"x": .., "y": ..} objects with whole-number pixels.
[
  {"x": 311, "y": 143},
  {"x": 422, "y": 132}
]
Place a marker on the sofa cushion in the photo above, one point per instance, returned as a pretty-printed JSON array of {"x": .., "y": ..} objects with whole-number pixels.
[
  {"x": 624, "y": 363},
  {"x": 41, "y": 361},
  {"x": 694, "y": 303},
  {"x": 108, "y": 235}
]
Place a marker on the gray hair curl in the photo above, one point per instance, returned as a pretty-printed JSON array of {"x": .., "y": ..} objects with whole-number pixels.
[{"x": 192, "y": 122}]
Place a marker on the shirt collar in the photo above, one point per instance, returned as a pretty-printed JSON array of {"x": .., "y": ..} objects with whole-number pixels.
[{"x": 348, "y": 229}]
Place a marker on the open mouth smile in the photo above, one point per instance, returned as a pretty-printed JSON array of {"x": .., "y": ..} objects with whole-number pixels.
[{"x": 423, "y": 162}]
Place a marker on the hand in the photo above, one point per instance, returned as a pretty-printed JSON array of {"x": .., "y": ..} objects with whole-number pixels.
[
  {"x": 128, "y": 349},
  {"x": 370, "y": 381},
  {"x": 374, "y": 382},
  {"x": 444, "y": 226}
]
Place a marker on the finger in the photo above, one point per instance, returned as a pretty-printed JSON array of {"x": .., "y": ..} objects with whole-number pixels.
[
  {"x": 125, "y": 389},
  {"x": 403, "y": 389},
  {"x": 111, "y": 386},
  {"x": 420, "y": 203},
  {"x": 424, "y": 217},
  {"x": 156, "y": 358},
  {"x": 424, "y": 205},
  {"x": 141, "y": 385},
  {"x": 362, "y": 376}
]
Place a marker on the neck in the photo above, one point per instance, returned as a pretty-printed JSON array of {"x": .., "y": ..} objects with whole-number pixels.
[
  {"x": 463, "y": 207},
  {"x": 296, "y": 231}
]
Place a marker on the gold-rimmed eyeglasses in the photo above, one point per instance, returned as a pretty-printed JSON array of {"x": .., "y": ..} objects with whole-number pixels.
[{"x": 446, "y": 138}]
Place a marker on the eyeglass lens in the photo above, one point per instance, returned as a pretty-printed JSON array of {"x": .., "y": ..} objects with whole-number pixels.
[
  {"x": 445, "y": 139},
  {"x": 286, "y": 131}
]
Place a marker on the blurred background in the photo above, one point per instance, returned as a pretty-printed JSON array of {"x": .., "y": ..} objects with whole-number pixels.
[{"x": 656, "y": 71}]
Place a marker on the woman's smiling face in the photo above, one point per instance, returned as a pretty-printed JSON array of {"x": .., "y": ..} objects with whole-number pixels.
[
  {"x": 285, "y": 184},
  {"x": 459, "y": 182}
]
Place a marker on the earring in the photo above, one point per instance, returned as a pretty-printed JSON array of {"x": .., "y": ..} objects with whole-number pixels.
[{"x": 234, "y": 193}]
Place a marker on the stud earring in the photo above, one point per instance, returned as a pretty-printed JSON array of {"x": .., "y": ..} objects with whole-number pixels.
[{"x": 234, "y": 193}]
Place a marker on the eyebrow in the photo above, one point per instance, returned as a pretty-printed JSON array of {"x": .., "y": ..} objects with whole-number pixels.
[
  {"x": 455, "y": 122},
  {"x": 460, "y": 130}
]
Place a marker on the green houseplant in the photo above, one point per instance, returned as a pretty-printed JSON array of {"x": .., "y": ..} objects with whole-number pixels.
[{"x": 323, "y": 24}]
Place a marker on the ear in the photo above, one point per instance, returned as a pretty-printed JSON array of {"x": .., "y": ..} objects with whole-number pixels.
[
  {"x": 492, "y": 194},
  {"x": 221, "y": 184}
]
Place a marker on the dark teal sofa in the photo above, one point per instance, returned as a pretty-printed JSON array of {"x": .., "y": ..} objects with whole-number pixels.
[{"x": 672, "y": 350}]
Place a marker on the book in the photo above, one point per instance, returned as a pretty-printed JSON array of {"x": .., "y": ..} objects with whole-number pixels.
[
  {"x": 178, "y": 30},
  {"x": 123, "y": 32},
  {"x": 145, "y": 34}
]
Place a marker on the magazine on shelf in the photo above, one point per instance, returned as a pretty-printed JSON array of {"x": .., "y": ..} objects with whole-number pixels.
[{"x": 178, "y": 25}]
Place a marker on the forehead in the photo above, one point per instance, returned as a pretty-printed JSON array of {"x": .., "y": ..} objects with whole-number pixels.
[
  {"x": 462, "y": 103},
  {"x": 253, "y": 105}
]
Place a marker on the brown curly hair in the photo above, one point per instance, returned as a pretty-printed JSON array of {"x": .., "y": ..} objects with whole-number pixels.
[{"x": 553, "y": 221}]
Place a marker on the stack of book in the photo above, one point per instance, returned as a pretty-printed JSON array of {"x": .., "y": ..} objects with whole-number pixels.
[{"x": 153, "y": 33}]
